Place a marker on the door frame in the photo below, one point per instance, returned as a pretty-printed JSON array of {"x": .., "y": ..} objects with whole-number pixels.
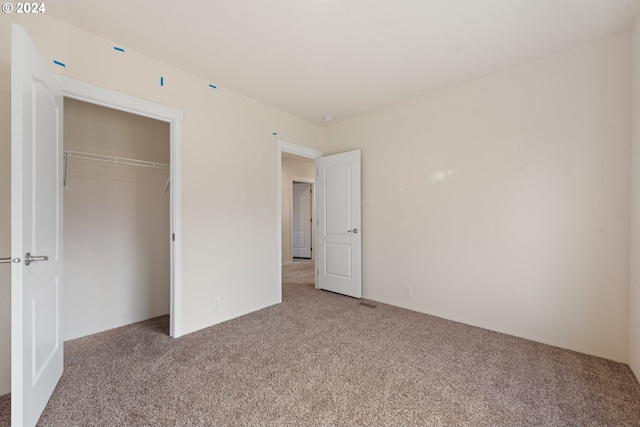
[
  {"x": 93, "y": 94},
  {"x": 298, "y": 150},
  {"x": 311, "y": 182}
]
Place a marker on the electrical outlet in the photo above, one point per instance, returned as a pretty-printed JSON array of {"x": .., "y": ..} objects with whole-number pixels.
[
  {"x": 216, "y": 303},
  {"x": 408, "y": 291}
]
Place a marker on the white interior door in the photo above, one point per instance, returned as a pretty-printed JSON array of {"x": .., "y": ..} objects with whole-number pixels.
[
  {"x": 36, "y": 231},
  {"x": 338, "y": 212},
  {"x": 301, "y": 220}
]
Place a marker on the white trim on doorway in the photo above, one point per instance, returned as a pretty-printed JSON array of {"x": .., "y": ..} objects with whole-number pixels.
[
  {"x": 301, "y": 179},
  {"x": 298, "y": 150},
  {"x": 87, "y": 92}
]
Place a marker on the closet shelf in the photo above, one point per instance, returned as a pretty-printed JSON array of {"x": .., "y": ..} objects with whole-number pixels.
[
  {"x": 68, "y": 154},
  {"x": 113, "y": 159}
]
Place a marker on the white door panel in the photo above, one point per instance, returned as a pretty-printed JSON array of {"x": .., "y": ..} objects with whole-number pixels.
[
  {"x": 339, "y": 232},
  {"x": 36, "y": 229},
  {"x": 338, "y": 260},
  {"x": 337, "y": 179}
]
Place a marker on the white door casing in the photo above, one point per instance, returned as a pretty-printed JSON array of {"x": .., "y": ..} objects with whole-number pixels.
[
  {"x": 36, "y": 228},
  {"x": 298, "y": 150},
  {"x": 338, "y": 212},
  {"x": 301, "y": 220},
  {"x": 97, "y": 95}
]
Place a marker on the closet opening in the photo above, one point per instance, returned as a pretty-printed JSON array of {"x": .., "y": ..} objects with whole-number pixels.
[{"x": 117, "y": 218}]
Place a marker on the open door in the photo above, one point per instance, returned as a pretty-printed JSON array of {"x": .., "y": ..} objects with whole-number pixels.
[
  {"x": 36, "y": 231},
  {"x": 338, "y": 213},
  {"x": 301, "y": 220}
]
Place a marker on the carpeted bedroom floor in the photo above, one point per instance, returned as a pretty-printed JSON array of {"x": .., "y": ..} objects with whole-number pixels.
[{"x": 321, "y": 359}]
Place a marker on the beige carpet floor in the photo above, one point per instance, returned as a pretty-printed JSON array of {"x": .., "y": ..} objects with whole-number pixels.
[{"x": 321, "y": 359}]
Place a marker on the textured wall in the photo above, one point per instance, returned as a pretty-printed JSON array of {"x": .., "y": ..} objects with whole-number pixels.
[{"x": 504, "y": 202}]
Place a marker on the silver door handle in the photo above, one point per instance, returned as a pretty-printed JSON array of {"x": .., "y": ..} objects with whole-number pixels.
[
  {"x": 6, "y": 260},
  {"x": 28, "y": 259},
  {"x": 354, "y": 231}
]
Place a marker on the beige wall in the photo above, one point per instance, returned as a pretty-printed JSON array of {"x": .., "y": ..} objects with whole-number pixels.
[
  {"x": 229, "y": 170},
  {"x": 292, "y": 168},
  {"x": 634, "y": 291},
  {"x": 504, "y": 202},
  {"x": 116, "y": 221}
]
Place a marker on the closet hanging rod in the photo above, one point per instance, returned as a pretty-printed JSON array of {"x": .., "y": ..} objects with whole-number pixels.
[{"x": 113, "y": 159}]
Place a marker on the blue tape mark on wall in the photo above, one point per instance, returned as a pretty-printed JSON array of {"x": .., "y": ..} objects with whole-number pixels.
[
  {"x": 59, "y": 63},
  {"x": 161, "y": 81},
  {"x": 119, "y": 49},
  {"x": 213, "y": 86}
]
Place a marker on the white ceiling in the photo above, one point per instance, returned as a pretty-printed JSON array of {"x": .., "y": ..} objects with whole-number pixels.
[{"x": 346, "y": 57}]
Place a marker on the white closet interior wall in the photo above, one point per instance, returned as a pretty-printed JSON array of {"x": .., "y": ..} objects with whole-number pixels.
[{"x": 116, "y": 225}]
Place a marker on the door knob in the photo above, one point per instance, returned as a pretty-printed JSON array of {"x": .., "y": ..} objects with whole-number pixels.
[
  {"x": 8, "y": 260},
  {"x": 28, "y": 258},
  {"x": 354, "y": 231}
]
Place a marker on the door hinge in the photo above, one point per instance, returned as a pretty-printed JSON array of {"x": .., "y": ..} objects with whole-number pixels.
[
  {"x": 173, "y": 237},
  {"x": 318, "y": 272}
]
